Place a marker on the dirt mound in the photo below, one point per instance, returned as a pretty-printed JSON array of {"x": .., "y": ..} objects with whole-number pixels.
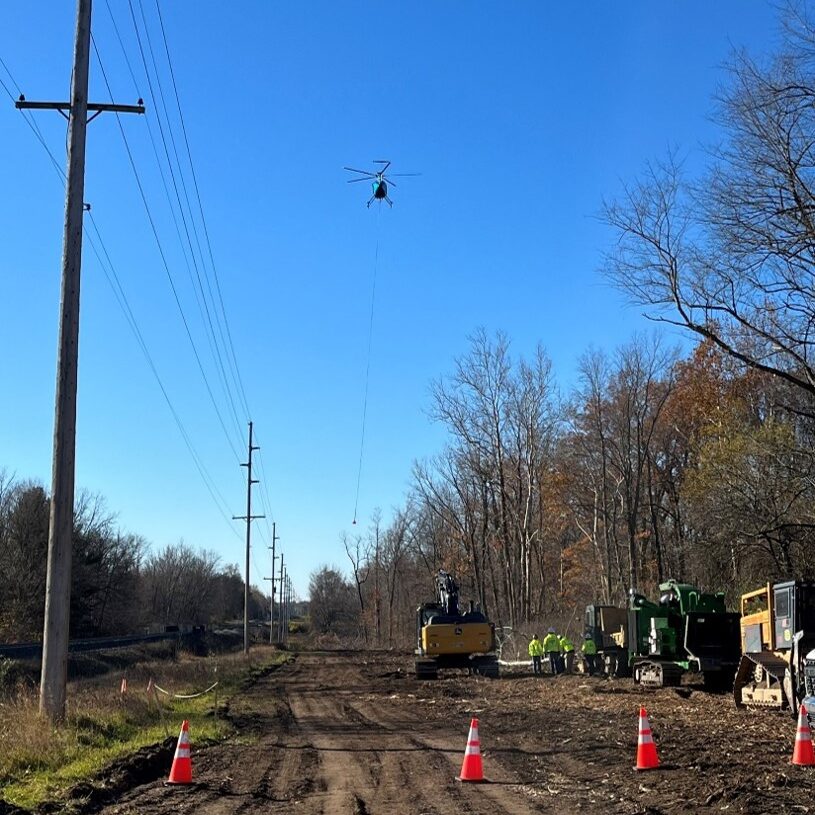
[{"x": 147, "y": 764}]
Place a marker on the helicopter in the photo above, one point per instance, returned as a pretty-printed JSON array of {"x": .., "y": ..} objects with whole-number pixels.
[{"x": 379, "y": 181}]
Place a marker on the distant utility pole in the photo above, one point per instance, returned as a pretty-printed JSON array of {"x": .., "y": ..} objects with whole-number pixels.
[
  {"x": 248, "y": 518},
  {"x": 291, "y": 598},
  {"x": 288, "y": 606},
  {"x": 283, "y": 621},
  {"x": 280, "y": 615},
  {"x": 271, "y": 602},
  {"x": 53, "y": 679},
  {"x": 275, "y": 538}
]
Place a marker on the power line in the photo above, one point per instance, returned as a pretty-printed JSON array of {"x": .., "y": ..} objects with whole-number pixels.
[
  {"x": 232, "y": 357},
  {"x": 264, "y": 493},
  {"x": 235, "y": 366},
  {"x": 184, "y": 251},
  {"x": 202, "y": 300},
  {"x": 221, "y": 319},
  {"x": 165, "y": 263},
  {"x": 121, "y": 298},
  {"x": 122, "y": 45},
  {"x": 32, "y": 122},
  {"x": 109, "y": 270}
]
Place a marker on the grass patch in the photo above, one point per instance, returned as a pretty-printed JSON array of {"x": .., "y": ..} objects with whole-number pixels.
[{"x": 39, "y": 763}]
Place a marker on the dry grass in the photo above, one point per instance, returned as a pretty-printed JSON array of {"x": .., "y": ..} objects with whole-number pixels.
[{"x": 37, "y": 761}]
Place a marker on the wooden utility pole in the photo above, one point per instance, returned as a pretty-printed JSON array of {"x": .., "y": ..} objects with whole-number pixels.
[
  {"x": 248, "y": 518},
  {"x": 288, "y": 606},
  {"x": 280, "y": 615},
  {"x": 286, "y": 615},
  {"x": 272, "y": 580},
  {"x": 275, "y": 538},
  {"x": 53, "y": 678}
]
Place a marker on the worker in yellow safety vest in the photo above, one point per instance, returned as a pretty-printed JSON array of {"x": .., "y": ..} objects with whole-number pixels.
[
  {"x": 536, "y": 652},
  {"x": 589, "y": 649},
  {"x": 567, "y": 649},
  {"x": 551, "y": 646}
]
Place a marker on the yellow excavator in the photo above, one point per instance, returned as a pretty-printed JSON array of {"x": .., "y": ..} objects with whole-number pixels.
[
  {"x": 777, "y": 668},
  {"x": 446, "y": 638}
]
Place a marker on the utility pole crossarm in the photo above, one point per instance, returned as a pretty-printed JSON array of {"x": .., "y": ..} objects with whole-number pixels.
[{"x": 65, "y": 107}]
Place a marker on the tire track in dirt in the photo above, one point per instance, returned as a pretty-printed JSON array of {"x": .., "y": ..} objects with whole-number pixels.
[
  {"x": 503, "y": 793},
  {"x": 326, "y": 736}
]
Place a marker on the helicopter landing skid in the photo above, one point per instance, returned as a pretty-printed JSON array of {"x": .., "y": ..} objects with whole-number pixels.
[{"x": 373, "y": 198}]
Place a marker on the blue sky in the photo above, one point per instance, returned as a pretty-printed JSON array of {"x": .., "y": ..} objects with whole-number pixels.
[{"x": 521, "y": 117}]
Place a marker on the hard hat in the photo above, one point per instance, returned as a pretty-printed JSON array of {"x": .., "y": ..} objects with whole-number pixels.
[{"x": 551, "y": 631}]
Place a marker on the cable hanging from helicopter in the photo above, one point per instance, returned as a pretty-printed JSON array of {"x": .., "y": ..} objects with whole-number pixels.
[{"x": 379, "y": 186}]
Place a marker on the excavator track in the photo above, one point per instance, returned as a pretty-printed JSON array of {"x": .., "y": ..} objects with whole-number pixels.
[
  {"x": 426, "y": 669},
  {"x": 486, "y": 666}
]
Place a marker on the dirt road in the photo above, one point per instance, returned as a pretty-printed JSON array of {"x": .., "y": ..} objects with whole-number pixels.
[{"x": 355, "y": 733}]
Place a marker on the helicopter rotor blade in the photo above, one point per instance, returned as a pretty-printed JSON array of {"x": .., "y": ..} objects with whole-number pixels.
[
  {"x": 354, "y": 180},
  {"x": 361, "y": 172},
  {"x": 382, "y": 161},
  {"x": 403, "y": 175},
  {"x": 387, "y": 180}
]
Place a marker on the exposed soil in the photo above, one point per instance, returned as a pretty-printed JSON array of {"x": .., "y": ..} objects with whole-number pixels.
[{"x": 355, "y": 733}]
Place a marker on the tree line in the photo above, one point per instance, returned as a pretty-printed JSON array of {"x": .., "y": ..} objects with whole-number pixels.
[
  {"x": 696, "y": 464},
  {"x": 118, "y": 584}
]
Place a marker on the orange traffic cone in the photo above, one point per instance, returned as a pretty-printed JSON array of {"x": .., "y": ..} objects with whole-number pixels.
[
  {"x": 471, "y": 769},
  {"x": 803, "y": 754},
  {"x": 647, "y": 758},
  {"x": 123, "y": 689},
  {"x": 181, "y": 771}
]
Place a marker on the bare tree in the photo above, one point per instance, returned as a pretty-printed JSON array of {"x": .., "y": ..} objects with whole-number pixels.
[
  {"x": 359, "y": 554},
  {"x": 731, "y": 257}
]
